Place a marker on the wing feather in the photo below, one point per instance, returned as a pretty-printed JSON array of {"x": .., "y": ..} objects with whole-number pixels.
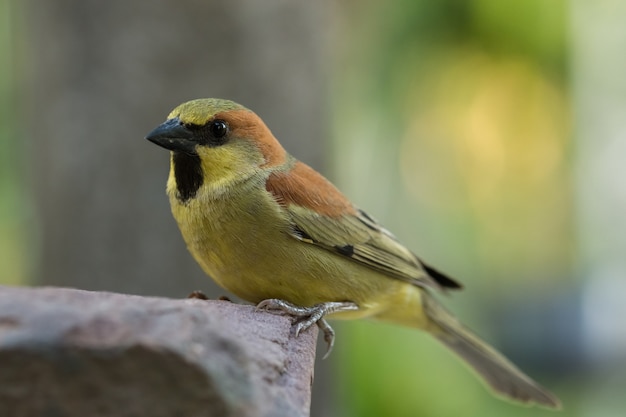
[
  {"x": 364, "y": 241},
  {"x": 321, "y": 215}
]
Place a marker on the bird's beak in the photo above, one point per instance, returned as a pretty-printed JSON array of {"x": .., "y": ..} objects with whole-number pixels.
[{"x": 173, "y": 135}]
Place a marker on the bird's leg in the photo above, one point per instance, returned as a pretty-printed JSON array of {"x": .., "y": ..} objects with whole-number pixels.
[{"x": 307, "y": 316}]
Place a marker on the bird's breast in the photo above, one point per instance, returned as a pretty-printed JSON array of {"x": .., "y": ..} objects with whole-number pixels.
[
  {"x": 238, "y": 238},
  {"x": 242, "y": 241}
]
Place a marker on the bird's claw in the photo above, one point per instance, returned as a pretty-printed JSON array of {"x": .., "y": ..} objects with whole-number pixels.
[
  {"x": 197, "y": 294},
  {"x": 329, "y": 336},
  {"x": 307, "y": 316}
]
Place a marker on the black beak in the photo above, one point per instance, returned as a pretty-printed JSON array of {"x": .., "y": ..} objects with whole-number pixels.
[{"x": 173, "y": 135}]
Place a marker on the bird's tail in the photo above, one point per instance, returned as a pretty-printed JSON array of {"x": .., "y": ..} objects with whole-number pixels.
[{"x": 497, "y": 371}]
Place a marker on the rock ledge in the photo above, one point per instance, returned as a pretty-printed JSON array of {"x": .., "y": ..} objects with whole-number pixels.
[{"x": 67, "y": 352}]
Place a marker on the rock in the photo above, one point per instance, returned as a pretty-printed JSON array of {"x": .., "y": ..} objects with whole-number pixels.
[{"x": 67, "y": 352}]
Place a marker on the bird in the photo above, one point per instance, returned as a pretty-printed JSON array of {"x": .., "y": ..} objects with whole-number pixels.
[{"x": 275, "y": 232}]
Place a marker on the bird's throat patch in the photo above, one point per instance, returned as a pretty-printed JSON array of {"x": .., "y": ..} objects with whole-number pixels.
[{"x": 188, "y": 174}]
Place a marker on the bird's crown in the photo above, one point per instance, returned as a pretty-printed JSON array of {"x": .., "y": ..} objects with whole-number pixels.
[{"x": 198, "y": 112}]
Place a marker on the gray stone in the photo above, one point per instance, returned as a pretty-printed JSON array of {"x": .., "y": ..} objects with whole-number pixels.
[{"x": 66, "y": 352}]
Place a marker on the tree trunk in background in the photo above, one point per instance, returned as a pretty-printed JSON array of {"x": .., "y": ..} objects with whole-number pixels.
[{"x": 102, "y": 74}]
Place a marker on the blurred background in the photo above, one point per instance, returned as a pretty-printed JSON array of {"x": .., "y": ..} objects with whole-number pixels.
[{"x": 490, "y": 136}]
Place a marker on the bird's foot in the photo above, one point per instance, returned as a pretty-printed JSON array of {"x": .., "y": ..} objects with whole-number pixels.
[
  {"x": 307, "y": 316},
  {"x": 198, "y": 295}
]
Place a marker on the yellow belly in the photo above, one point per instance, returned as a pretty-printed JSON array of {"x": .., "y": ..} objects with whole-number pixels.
[{"x": 243, "y": 243}]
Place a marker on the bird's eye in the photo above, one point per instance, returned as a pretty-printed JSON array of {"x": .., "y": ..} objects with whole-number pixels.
[{"x": 218, "y": 128}]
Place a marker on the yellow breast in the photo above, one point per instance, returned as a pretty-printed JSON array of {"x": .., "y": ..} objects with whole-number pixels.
[{"x": 241, "y": 239}]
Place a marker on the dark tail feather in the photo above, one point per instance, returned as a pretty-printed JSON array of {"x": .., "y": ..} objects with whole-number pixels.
[
  {"x": 497, "y": 371},
  {"x": 442, "y": 279}
]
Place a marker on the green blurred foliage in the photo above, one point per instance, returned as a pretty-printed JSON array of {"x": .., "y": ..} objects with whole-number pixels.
[
  {"x": 466, "y": 123},
  {"x": 13, "y": 213},
  {"x": 453, "y": 128}
]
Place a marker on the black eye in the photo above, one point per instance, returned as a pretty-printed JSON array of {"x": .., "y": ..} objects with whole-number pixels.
[{"x": 218, "y": 129}]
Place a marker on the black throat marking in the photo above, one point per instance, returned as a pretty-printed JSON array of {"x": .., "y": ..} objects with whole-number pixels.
[{"x": 188, "y": 174}]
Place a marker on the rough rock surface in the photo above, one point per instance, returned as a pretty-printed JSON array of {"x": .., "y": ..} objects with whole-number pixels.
[{"x": 66, "y": 352}]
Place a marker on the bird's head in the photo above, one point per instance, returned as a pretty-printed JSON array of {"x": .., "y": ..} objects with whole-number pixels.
[{"x": 215, "y": 141}]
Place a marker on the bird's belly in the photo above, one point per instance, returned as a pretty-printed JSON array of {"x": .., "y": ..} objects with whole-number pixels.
[{"x": 249, "y": 252}]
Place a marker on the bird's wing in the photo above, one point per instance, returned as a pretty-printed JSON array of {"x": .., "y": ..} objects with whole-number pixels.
[
  {"x": 361, "y": 239},
  {"x": 322, "y": 216}
]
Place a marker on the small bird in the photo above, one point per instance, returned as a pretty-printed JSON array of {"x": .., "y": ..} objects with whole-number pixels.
[{"x": 275, "y": 232}]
